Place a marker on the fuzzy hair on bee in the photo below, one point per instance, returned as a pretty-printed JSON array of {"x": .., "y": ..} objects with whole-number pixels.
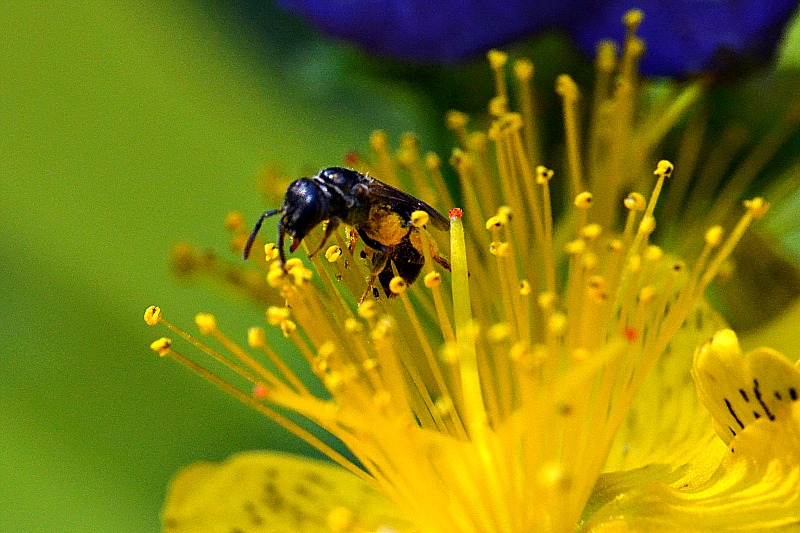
[{"x": 380, "y": 214}]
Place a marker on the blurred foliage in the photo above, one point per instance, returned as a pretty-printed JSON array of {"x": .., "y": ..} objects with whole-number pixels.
[{"x": 126, "y": 127}]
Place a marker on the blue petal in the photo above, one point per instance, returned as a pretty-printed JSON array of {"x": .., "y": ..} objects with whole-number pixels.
[
  {"x": 682, "y": 36},
  {"x": 432, "y": 30},
  {"x": 691, "y": 36}
]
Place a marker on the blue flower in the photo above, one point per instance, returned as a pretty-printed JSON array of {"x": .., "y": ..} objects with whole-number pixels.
[{"x": 683, "y": 36}]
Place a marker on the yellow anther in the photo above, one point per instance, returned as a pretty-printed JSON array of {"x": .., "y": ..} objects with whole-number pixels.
[
  {"x": 664, "y": 169},
  {"x": 288, "y": 327},
  {"x": 635, "y": 202},
  {"x": 578, "y": 355},
  {"x": 647, "y": 294},
  {"x": 382, "y": 400},
  {"x": 256, "y": 337},
  {"x": 591, "y": 231},
  {"x": 293, "y": 263},
  {"x": 334, "y": 381},
  {"x": 634, "y": 263},
  {"x": 632, "y": 19},
  {"x": 234, "y": 221},
  {"x": 205, "y": 322},
  {"x": 553, "y": 476},
  {"x": 398, "y": 285},
  {"x": 557, "y": 324},
  {"x": 598, "y": 282},
  {"x": 450, "y": 353},
  {"x": 615, "y": 246},
  {"x": 590, "y": 261},
  {"x": 419, "y": 219},
  {"x": 275, "y": 276},
  {"x": 351, "y": 325},
  {"x": 432, "y": 161},
  {"x": 498, "y": 106},
  {"x": 443, "y": 405},
  {"x": 382, "y": 329},
  {"x": 606, "y": 56},
  {"x": 161, "y": 346},
  {"x": 498, "y": 332},
  {"x": 519, "y": 351},
  {"x": 461, "y": 160},
  {"x": 523, "y": 69},
  {"x": 152, "y": 315},
  {"x": 477, "y": 140},
  {"x": 566, "y": 87},
  {"x": 367, "y": 309},
  {"x": 433, "y": 279},
  {"x": 757, "y": 207},
  {"x": 653, "y": 253},
  {"x": 505, "y": 213},
  {"x": 379, "y": 141},
  {"x": 726, "y": 270},
  {"x": 524, "y": 287},
  {"x": 370, "y": 364},
  {"x": 271, "y": 251},
  {"x": 494, "y": 223},
  {"x": 575, "y": 247},
  {"x": 497, "y": 59},
  {"x": 513, "y": 121},
  {"x": 647, "y": 225},
  {"x": 500, "y": 249},
  {"x": 543, "y": 174},
  {"x": 409, "y": 141},
  {"x": 301, "y": 274},
  {"x": 583, "y": 200},
  {"x": 326, "y": 350},
  {"x": 276, "y": 315},
  {"x": 333, "y": 253},
  {"x": 714, "y": 236},
  {"x": 456, "y": 120},
  {"x": 319, "y": 365}
]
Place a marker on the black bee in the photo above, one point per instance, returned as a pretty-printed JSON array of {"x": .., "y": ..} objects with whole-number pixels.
[{"x": 380, "y": 213}]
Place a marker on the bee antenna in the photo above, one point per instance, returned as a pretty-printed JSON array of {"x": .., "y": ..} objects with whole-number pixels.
[{"x": 252, "y": 237}]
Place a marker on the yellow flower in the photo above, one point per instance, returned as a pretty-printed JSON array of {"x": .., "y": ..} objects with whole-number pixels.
[{"x": 545, "y": 384}]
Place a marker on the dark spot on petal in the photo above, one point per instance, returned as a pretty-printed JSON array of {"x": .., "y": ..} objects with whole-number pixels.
[{"x": 744, "y": 395}]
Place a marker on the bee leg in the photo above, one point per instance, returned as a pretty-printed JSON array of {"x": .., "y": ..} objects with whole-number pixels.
[
  {"x": 442, "y": 261},
  {"x": 330, "y": 228},
  {"x": 379, "y": 262},
  {"x": 372, "y": 243}
]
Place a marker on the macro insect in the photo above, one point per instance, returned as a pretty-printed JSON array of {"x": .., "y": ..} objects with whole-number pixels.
[{"x": 380, "y": 214}]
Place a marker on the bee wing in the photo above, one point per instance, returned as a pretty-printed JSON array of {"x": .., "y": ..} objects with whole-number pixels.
[{"x": 405, "y": 204}]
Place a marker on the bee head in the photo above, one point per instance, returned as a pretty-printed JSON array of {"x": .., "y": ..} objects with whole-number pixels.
[{"x": 304, "y": 207}]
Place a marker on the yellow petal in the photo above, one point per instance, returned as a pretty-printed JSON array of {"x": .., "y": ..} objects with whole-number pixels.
[
  {"x": 272, "y": 492},
  {"x": 756, "y": 488},
  {"x": 740, "y": 389},
  {"x": 681, "y": 432}
]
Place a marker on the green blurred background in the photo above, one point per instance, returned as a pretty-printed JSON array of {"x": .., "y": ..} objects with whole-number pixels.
[{"x": 125, "y": 127}]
